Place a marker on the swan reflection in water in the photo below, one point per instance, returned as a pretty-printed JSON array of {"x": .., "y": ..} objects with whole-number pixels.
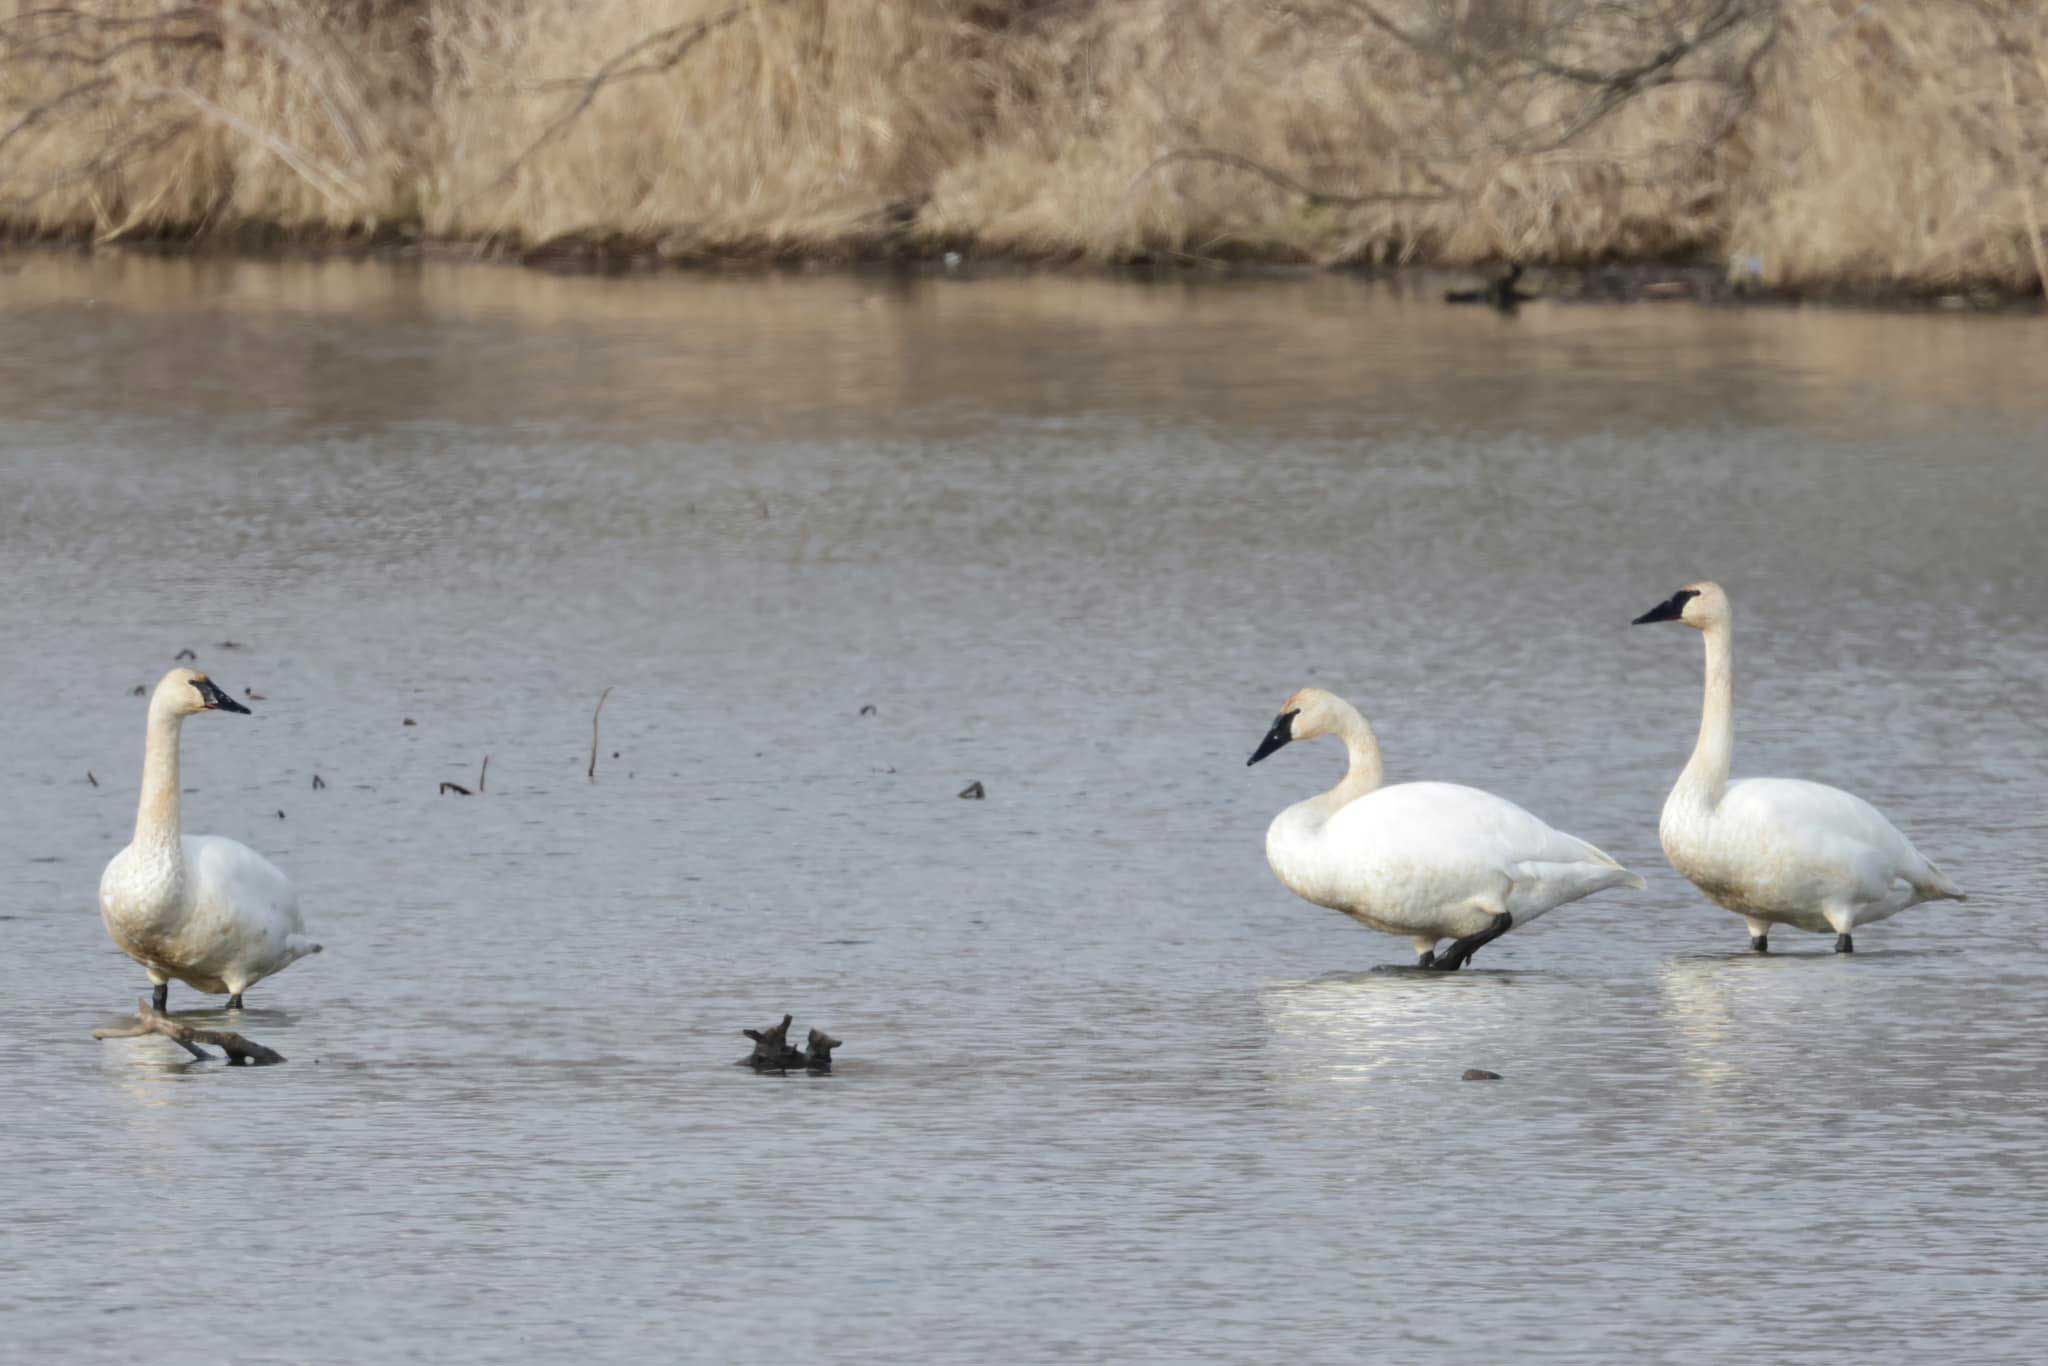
[{"x": 1346, "y": 1030}]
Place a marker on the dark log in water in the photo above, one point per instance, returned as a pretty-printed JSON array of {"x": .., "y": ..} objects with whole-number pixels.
[
  {"x": 772, "y": 1052},
  {"x": 240, "y": 1051}
]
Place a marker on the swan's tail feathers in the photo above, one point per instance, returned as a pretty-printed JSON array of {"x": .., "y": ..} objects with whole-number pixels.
[
  {"x": 1938, "y": 887},
  {"x": 297, "y": 946},
  {"x": 1627, "y": 878}
]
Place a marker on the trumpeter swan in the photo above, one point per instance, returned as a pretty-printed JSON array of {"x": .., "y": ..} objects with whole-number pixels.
[
  {"x": 1778, "y": 851},
  {"x": 1428, "y": 860},
  {"x": 212, "y": 913}
]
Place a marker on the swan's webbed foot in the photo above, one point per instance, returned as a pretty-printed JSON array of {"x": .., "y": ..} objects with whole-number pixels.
[
  {"x": 1461, "y": 950},
  {"x": 1760, "y": 942},
  {"x": 160, "y": 997},
  {"x": 234, "y": 1002},
  {"x": 1844, "y": 944},
  {"x": 1427, "y": 960}
]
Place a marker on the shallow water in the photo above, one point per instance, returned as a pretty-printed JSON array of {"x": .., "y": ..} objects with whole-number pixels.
[{"x": 1108, "y": 1092}]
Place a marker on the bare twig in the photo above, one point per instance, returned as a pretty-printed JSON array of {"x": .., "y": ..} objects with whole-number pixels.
[
  {"x": 670, "y": 46},
  {"x": 1238, "y": 162},
  {"x": 483, "y": 772},
  {"x": 591, "y": 772},
  {"x": 240, "y": 1050}
]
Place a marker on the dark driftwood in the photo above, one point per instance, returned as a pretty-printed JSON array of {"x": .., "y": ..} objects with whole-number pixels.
[
  {"x": 974, "y": 791},
  {"x": 1479, "y": 1074},
  {"x": 239, "y": 1050},
  {"x": 772, "y": 1052},
  {"x": 591, "y": 772}
]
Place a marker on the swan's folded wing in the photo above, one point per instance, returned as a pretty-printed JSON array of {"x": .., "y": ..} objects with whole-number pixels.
[{"x": 1821, "y": 826}]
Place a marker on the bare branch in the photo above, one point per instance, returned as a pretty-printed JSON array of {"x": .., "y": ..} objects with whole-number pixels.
[{"x": 147, "y": 1021}]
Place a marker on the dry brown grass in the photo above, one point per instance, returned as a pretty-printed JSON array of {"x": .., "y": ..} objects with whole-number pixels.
[{"x": 1880, "y": 142}]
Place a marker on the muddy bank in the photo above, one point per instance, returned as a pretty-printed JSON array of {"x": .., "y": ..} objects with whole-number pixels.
[{"x": 1647, "y": 282}]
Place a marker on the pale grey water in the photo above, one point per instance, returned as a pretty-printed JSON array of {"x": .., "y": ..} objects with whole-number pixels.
[{"x": 1108, "y": 1092}]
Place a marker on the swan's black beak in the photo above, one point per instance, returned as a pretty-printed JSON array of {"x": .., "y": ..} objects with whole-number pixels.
[
  {"x": 1281, "y": 734},
  {"x": 215, "y": 699},
  {"x": 1671, "y": 609}
]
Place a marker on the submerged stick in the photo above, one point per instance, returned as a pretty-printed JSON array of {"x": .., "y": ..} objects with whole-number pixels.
[
  {"x": 591, "y": 772},
  {"x": 240, "y": 1051},
  {"x": 483, "y": 773}
]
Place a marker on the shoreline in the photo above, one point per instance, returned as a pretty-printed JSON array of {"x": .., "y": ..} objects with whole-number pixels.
[{"x": 1694, "y": 281}]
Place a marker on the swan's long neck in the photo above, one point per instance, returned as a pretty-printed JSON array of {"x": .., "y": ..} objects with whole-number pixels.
[
  {"x": 1363, "y": 747},
  {"x": 157, "y": 821},
  {"x": 1706, "y": 775}
]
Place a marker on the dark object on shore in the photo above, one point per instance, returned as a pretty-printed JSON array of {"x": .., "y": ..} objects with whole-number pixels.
[
  {"x": 973, "y": 792},
  {"x": 240, "y": 1051},
  {"x": 457, "y": 788},
  {"x": 184, "y": 654},
  {"x": 1501, "y": 294},
  {"x": 318, "y": 782},
  {"x": 1479, "y": 1074},
  {"x": 772, "y": 1052}
]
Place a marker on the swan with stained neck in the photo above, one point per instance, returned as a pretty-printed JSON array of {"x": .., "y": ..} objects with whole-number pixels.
[
  {"x": 1428, "y": 861},
  {"x": 1777, "y": 851},
  {"x": 204, "y": 910}
]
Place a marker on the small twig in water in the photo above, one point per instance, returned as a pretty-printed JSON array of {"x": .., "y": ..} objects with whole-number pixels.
[
  {"x": 591, "y": 772},
  {"x": 457, "y": 788},
  {"x": 974, "y": 791},
  {"x": 89, "y": 778},
  {"x": 318, "y": 782},
  {"x": 148, "y": 1021},
  {"x": 186, "y": 653},
  {"x": 482, "y": 773}
]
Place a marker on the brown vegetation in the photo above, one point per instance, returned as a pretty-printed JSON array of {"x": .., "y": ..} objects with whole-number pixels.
[{"x": 1858, "y": 142}]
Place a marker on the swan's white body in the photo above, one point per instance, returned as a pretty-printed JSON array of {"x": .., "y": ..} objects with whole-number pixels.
[
  {"x": 1429, "y": 861},
  {"x": 1780, "y": 851},
  {"x": 200, "y": 909}
]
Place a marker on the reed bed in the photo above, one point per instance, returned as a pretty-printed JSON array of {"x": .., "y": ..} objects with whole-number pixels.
[{"x": 1859, "y": 143}]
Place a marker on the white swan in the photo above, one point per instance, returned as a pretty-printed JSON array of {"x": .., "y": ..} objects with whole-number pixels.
[
  {"x": 1778, "y": 851},
  {"x": 1428, "y": 860},
  {"x": 212, "y": 913}
]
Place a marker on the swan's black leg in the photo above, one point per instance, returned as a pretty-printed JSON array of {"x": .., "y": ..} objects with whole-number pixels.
[
  {"x": 234, "y": 1002},
  {"x": 1428, "y": 960},
  {"x": 1760, "y": 942},
  {"x": 1461, "y": 950},
  {"x": 1844, "y": 944},
  {"x": 160, "y": 997}
]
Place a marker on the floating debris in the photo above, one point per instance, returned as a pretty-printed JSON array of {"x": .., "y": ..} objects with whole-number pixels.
[
  {"x": 89, "y": 778},
  {"x": 974, "y": 791},
  {"x": 280, "y": 815},
  {"x": 410, "y": 722},
  {"x": 1479, "y": 1074},
  {"x": 868, "y": 709},
  {"x": 318, "y": 782},
  {"x": 184, "y": 654},
  {"x": 240, "y": 1051},
  {"x": 457, "y": 788},
  {"x": 772, "y": 1052},
  {"x": 253, "y": 695},
  {"x": 591, "y": 772},
  {"x": 231, "y": 645},
  {"x": 138, "y": 691}
]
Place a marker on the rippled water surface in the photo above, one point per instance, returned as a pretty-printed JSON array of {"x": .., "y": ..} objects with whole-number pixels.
[{"x": 1108, "y": 1092}]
